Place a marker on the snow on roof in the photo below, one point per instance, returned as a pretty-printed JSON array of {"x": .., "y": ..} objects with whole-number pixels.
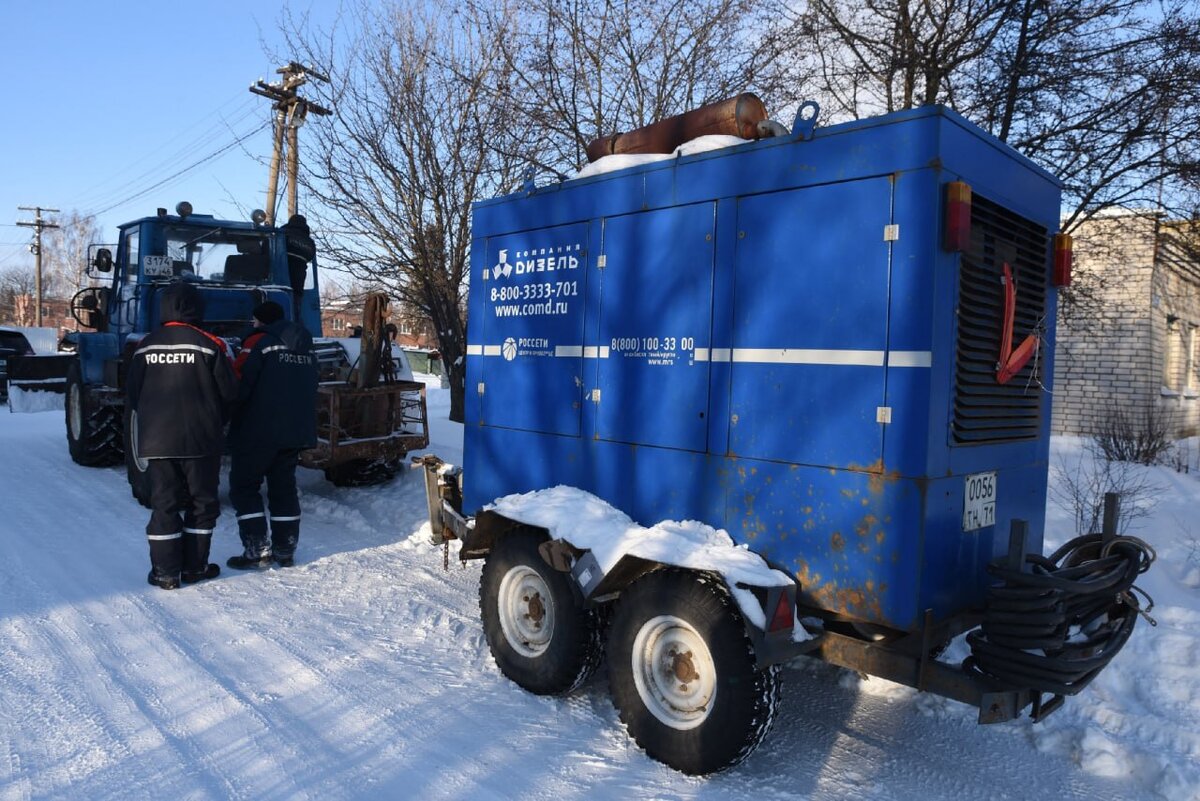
[
  {"x": 621, "y": 161},
  {"x": 590, "y": 523}
]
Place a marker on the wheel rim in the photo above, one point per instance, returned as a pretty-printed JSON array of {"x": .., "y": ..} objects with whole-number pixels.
[
  {"x": 75, "y": 405},
  {"x": 526, "y": 611},
  {"x": 674, "y": 672}
]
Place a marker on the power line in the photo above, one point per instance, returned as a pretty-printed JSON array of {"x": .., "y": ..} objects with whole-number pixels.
[
  {"x": 210, "y": 136},
  {"x": 206, "y": 136},
  {"x": 181, "y": 172}
]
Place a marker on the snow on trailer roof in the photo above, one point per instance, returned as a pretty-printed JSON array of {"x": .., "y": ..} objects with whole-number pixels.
[{"x": 623, "y": 161}]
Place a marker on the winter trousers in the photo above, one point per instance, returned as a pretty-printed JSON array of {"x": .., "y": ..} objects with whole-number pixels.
[
  {"x": 246, "y": 474},
  {"x": 184, "y": 509}
]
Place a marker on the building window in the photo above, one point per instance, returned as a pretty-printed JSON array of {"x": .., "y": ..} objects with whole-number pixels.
[
  {"x": 1189, "y": 361},
  {"x": 1170, "y": 379}
]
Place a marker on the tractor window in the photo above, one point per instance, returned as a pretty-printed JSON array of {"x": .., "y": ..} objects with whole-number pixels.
[
  {"x": 214, "y": 254},
  {"x": 131, "y": 255}
]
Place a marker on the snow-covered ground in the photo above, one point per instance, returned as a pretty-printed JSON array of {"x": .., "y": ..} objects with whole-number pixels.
[{"x": 363, "y": 672}]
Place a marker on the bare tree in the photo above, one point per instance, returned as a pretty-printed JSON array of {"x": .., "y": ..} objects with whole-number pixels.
[
  {"x": 1100, "y": 93},
  {"x": 66, "y": 252},
  {"x": 584, "y": 68},
  {"x": 405, "y": 153},
  {"x": 17, "y": 290}
]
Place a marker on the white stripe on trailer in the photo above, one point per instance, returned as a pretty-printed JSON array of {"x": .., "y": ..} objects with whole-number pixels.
[
  {"x": 474, "y": 350},
  {"x": 909, "y": 358},
  {"x": 568, "y": 351},
  {"x": 853, "y": 358},
  {"x": 491, "y": 350}
]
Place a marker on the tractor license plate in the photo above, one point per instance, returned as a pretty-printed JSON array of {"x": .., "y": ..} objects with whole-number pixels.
[{"x": 979, "y": 501}]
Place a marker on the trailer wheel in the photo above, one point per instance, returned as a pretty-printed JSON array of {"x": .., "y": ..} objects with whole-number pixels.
[
  {"x": 93, "y": 430},
  {"x": 538, "y": 630},
  {"x": 135, "y": 468},
  {"x": 682, "y": 673},
  {"x": 363, "y": 472}
]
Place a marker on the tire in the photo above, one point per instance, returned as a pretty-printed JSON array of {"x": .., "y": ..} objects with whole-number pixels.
[
  {"x": 363, "y": 472},
  {"x": 539, "y": 632},
  {"x": 94, "y": 435},
  {"x": 135, "y": 469},
  {"x": 682, "y": 673}
]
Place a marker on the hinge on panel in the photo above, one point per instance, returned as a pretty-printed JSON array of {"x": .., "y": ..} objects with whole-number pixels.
[
  {"x": 596, "y": 395},
  {"x": 883, "y": 414},
  {"x": 891, "y": 233},
  {"x": 602, "y": 261},
  {"x": 480, "y": 388}
]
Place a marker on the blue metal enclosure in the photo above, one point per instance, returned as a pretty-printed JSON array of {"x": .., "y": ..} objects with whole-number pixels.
[{"x": 771, "y": 339}]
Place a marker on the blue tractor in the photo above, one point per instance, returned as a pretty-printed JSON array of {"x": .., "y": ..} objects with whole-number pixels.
[{"x": 236, "y": 266}]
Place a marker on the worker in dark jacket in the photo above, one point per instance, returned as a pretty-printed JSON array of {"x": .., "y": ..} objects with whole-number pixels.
[
  {"x": 274, "y": 419},
  {"x": 180, "y": 384},
  {"x": 301, "y": 250}
]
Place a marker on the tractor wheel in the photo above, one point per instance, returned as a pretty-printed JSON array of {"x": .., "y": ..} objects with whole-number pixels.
[
  {"x": 93, "y": 430},
  {"x": 135, "y": 468},
  {"x": 682, "y": 673},
  {"x": 537, "y": 628},
  {"x": 363, "y": 472}
]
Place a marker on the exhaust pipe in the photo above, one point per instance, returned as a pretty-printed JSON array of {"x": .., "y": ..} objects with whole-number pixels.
[{"x": 737, "y": 116}]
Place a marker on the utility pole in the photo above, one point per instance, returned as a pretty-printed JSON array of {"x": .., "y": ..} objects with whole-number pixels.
[
  {"x": 38, "y": 225},
  {"x": 290, "y": 112}
]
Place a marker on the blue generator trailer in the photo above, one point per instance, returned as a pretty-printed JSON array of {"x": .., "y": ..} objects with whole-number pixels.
[{"x": 831, "y": 345}]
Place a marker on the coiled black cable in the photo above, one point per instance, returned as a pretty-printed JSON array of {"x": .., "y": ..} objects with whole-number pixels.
[{"x": 1055, "y": 625}]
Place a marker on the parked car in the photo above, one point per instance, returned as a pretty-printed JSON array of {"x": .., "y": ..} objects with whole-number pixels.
[{"x": 12, "y": 343}]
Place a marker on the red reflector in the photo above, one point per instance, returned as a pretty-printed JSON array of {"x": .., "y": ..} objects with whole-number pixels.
[
  {"x": 958, "y": 217},
  {"x": 1062, "y": 259},
  {"x": 783, "y": 617}
]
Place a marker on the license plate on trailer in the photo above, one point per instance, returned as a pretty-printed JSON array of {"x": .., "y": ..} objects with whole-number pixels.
[{"x": 979, "y": 501}]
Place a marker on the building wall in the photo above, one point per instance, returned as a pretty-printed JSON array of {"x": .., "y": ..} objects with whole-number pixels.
[
  {"x": 1105, "y": 356},
  {"x": 1176, "y": 318},
  {"x": 1134, "y": 350}
]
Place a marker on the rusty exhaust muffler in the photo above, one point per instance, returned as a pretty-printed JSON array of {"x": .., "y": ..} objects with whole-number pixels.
[{"x": 737, "y": 116}]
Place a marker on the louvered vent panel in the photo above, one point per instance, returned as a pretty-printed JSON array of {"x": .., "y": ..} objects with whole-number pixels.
[{"x": 984, "y": 409}]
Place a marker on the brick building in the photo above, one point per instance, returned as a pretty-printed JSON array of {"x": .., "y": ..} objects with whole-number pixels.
[
  {"x": 19, "y": 310},
  {"x": 339, "y": 318},
  {"x": 1139, "y": 353}
]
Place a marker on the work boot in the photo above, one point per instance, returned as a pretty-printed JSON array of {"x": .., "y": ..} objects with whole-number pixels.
[
  {"x": 162, "y": 582},
  {"x": 243, "y": 562},
  {"x": 284, "y": 559},
  {"x": 212, "y": 571}
]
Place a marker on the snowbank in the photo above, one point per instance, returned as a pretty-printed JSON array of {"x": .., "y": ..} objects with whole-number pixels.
[{"x": 32, "y": 400}]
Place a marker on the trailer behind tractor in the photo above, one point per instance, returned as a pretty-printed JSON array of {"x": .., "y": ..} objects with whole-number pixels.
[{"x": 829, "y": 352}]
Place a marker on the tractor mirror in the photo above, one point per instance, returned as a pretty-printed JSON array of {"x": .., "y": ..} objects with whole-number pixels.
[{"x": 103, "y": 260}]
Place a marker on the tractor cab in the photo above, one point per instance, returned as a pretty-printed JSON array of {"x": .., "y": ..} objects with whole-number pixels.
[{"x": 235, "y": 265}]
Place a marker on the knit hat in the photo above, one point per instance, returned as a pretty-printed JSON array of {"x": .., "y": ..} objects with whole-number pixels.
[{"x": 269, "y": 312}]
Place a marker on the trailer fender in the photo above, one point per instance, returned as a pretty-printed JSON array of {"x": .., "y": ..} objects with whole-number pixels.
[{"x": 768, "y": 611}]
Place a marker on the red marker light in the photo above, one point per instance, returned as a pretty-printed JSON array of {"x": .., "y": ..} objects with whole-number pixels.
[
  {"x": 783, "y": 617},
  {"x": 1062, "y": 259},
  {"x": 958, "y": 217}
]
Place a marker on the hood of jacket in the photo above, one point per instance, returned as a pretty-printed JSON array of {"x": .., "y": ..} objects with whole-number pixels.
[
  {"x": 293, "y": 335},
  {"x": 181, "y": 303}
]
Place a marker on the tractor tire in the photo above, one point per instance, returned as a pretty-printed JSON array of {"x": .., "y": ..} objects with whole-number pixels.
[
  {"x": 539, "y": 632},
  {"x": 682, "y": 673},
  {"x": 135, "y": 468},
  {"x": 94, "y": 436},
  {"x": 363, "y": 472}
]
